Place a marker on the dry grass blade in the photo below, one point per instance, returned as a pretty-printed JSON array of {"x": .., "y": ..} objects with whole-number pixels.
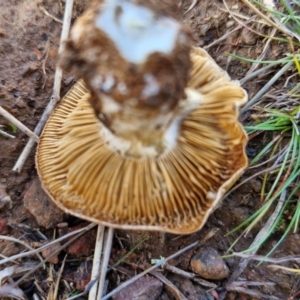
[
  {"x": 252, "y": 293},
  {"x": 55, "y": 294},
  {"x": 35, "y": 251},
  {"x": 268, "y": 20},
  {"x": 18, "y": 124},
  {"x": 191, "y": 6},
  {"x": 105, "y": 260},
  {"x": 169, "y": 286},
  {"x": 8, "y": 238},
  {"x": 56, "y": 90},
  {"x": 270, "y": 83},
  {"x": 158, "y": 264},
  {"x": 285, "y": 259},
  {"x": 90, "y": 226},
  {"x": 96, "y": 261},
  {"x": 191, "y": 276},
  {"x": 5, "y": 134},
  {"x": 254, "y": 246}
]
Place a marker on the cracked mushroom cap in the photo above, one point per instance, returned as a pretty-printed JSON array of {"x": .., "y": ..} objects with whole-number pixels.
[{"x": 158, "y": 154}]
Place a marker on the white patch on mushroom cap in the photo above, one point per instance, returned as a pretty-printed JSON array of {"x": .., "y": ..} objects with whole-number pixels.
[
  {"x": 109, "y": 105},
  {"x": 136, "y": 31},
  {"x": 152, "y": 87},
  {"x": 108, "y": 83}
]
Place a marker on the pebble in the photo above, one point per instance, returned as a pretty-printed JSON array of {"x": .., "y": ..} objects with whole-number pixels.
[
  {"x": 4, "y": 229},
  {"x": 85, "y": 244},
  {"x": 49, "y": 251},
  {"x": 208, "y": 264},
  {"x": 37, "y": 202}
]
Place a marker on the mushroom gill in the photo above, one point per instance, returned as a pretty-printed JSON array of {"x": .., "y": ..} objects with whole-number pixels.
[{"x": 175, "y": 192}]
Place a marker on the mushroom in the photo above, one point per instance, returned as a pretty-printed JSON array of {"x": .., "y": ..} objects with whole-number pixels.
[{"x": 149, "y": 139}]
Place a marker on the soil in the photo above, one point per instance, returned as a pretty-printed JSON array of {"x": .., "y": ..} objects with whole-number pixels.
[{"x": 29, "y": 41}]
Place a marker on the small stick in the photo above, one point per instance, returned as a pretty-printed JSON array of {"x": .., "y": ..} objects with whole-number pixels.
[
  {"x": 96, "y": 262},
  {"x": 18, "y": 124},
  {"x": 169, "y": 286},
  {"x": 45, "y": 11},
  {"x": 6, "y": 134},
  {"x": 106, "y": 254},
  {"x": 191, "y": 6},
  {"x": 158, "y": 264},
  {"x": 56, "y": 90},
  {"x": 191, "y": 276}
]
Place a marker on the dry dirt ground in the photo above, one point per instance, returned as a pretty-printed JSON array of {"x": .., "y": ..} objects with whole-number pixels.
[{"x": 29, "y": 40}]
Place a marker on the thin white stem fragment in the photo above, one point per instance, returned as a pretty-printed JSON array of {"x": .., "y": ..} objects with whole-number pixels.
[
  {"x": 266, "y": 87},
  {"x": 96, "y": 262},
  {"x": 7, "y": 134},
  {"x": 260, "y": 236},
  {"x": 56, "y": 90},
  {"x": 18, "y": 124},
  {"x": 106, "y": 254},
  {"x": 191, "y": 6}
]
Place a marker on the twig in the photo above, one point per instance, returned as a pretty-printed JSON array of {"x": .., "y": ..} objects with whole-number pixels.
[
  {"x": 169, "y": 286},
  {"x": 45, "y": 11},
  {"x": 189, "y": 275},
  {"x": 268, "y": 20},
  {"x": 18, "y": 124},
  {"x": 191, "y": 6},
  {"x": 223, "y": 37},
  {"x": 251, "y": 283},
  {"x": 158, "y": 264},
  {"x": 34, "y": 251},
  {"x": 266, "y": 87},
  {"x": 252, "y": 293},
  {"x": 106, "y": 254},
  {"x": 96, "y": 262},
  {"x": 7, "y": 134},
  {"x": 281, "y": 260},
  {"x": 8, "y": 238},
  {"x": 90, "y": 226},
  {"x": 55, "y": 293},
  {"x": 56, "y": 90}
]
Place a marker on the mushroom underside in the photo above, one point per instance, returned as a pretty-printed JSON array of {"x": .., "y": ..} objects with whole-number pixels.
[{"x": 175, "y": 192}]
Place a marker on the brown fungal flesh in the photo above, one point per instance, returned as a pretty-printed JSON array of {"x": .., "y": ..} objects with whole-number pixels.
[{"x": 174, "y": 192}]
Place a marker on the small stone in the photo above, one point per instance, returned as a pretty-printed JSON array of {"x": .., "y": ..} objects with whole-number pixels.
[
  {"x": 4, "y": 229},
  {"x": 8, "y": 248},
  {"x": 145, "y": 288},
  {"x": 37, "y": 202},
  {"x": 208, "y": 264},
  {"x": 4, "y": 197},
  {"x": 85, "y": 244},
  {"x": 82, "y": 275},
  {"x": 49, "y": 251}
]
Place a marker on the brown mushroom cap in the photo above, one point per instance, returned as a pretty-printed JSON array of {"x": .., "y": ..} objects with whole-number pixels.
[{"x": 175, "y": 192}]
